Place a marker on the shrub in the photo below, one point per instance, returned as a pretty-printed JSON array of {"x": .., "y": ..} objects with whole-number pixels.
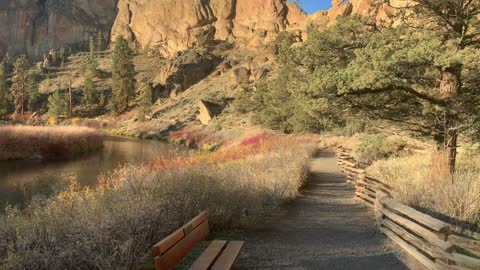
[
  {"x": 378, "y": 146},
  {"x": 115, "y": 226}
]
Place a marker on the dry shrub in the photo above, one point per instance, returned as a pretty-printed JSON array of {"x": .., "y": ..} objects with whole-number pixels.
[
  {"x": 378, "y": 146},
  {"x": 115, "y": 226},
  {"x": 345, "y": 142},
  {"x": 415, "y": 184},
  {"x": 28, "y": 142}
]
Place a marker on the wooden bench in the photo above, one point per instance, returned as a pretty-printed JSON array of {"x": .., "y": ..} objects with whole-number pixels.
[{"x": 220, "y": 254}]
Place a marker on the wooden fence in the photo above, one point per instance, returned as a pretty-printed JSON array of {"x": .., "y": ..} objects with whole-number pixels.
[{"x": 431, "y": 241}]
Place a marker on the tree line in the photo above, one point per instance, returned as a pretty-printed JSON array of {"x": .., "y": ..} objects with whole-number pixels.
[{"x": 19, "y": 84}]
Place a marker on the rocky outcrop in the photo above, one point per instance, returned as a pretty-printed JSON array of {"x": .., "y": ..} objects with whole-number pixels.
[
  {"x": 36, "y": 26},
  {"x": 185, "y": 70},
  {"x": 175, "y": 25},
  {"x": 379, "y": 11},
  {"x": 241, "y": 76},
  {"x": 207, "y": 111}
]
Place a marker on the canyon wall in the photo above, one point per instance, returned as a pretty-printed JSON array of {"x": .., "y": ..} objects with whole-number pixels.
[
  {"x": 34, "y": 26},
  {"x": 169, "y": 26}
]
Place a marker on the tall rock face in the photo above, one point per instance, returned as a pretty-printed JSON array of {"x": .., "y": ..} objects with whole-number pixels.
[
  {"x": 174, "y": 25},
  {"x": 168, "y": 26},
  {"x": 36, "y": 26}
]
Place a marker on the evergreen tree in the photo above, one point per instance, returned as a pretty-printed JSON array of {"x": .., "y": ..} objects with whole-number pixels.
[
  {"x": 92, "y": 59},
  {"x": 88, "y": 91},
  {"x": 58, "y": 104},
  {"x": 92, "y": 48},
  {"x": 62, "y": 53},
  {"x": 33, "y": 93},
  {"x": 99, "y": 41},
  {"x": 123, "y": 74},
  {"x": 62, "y": 58},
  {"x": 421, "y": 75},
  {"x": 145, "y": 100},
  {"x": 3, "y": 91},
  {"x": 20, "y": 83}
]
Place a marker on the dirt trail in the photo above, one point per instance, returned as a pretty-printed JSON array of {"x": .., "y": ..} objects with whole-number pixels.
[{"x": 324, "y": 229}]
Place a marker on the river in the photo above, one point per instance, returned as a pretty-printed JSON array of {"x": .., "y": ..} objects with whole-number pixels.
[{"x": 20, "y": 181}]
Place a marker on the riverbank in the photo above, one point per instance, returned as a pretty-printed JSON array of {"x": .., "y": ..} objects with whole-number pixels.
[
  {"x": 48, "y": 143},
  {"x": 116, "y": 224}
]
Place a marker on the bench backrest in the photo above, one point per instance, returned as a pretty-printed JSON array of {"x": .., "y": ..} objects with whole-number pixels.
[{"x": 171, "y": 250}]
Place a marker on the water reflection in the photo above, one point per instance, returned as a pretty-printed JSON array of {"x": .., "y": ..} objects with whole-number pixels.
[{"x": 21, "y": 180}]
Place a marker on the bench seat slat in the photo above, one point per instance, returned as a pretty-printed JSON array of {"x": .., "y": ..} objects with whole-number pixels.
[
  {"x": 174, "y": 255},
  {"x": 229, "y": 256},
  {"x": 209, "y": 255}
]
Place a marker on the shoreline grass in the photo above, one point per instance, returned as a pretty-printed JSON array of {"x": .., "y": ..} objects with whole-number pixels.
[
  {"x": 50, "y": 143},
  {"x": 115, "y": 225}
]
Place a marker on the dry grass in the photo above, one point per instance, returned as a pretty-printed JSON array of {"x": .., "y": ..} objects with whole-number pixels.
[
  {"x": 115, "y": 226},
  {"x": 343, "y": 141},
  {"x": 28, "y": 142},
  {"x": 415, "y": 183}
]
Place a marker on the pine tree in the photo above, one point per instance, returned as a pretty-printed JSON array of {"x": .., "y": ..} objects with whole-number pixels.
[
  {"x": 62, "y": 58},
  {"x": 92, "y": 59},
  {"x": 57, "y": 104},
  {"x": 3, "y": 91},
  {"x": 145, "y": 100},
  {"x": 99, "y": 41},
  {"x": 20, "y": 83},
  {"x": 33, "y": 93},
  {"x": 62, "y": 53},
  {"x": 123, "y": 74},
  {"x": 421, "y": 75},
  {"x": 92, "y": 49},
  {"x": 88, "y": 91}
]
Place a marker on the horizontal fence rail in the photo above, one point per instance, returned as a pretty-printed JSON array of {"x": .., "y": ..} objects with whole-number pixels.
[{"x": 431, "y": 241}]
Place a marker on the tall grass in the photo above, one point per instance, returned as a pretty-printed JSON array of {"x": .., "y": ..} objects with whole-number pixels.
[
  {"x": 28, "y": 142},
  {"x": 415, "y": 183},
  {"x": 114, "y": 226}
]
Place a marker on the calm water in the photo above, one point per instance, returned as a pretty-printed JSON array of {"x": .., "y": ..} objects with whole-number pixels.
[{"x": 20, "y": 181}]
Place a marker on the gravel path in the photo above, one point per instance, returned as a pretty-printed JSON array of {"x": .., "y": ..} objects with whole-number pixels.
[{"x": 324, "y": 229}]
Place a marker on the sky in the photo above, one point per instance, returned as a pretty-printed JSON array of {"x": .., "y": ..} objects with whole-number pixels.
[{"x": 311, "y": 6}]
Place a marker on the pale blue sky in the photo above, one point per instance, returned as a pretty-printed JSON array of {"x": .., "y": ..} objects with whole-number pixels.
[{"x": 311, "y": 6}]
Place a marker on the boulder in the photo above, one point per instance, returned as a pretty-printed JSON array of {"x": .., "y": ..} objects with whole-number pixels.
[
  {"x": 241, "y": 76},
  {"x": 259, "y": 74},
  {"x": 207, "y": 111}
]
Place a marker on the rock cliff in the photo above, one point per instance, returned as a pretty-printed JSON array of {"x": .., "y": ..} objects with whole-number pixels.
[
  {"x": 168, "y": 26},
  {"x": 174, "y": 25},
  {"x": 35, "y": 26}
]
